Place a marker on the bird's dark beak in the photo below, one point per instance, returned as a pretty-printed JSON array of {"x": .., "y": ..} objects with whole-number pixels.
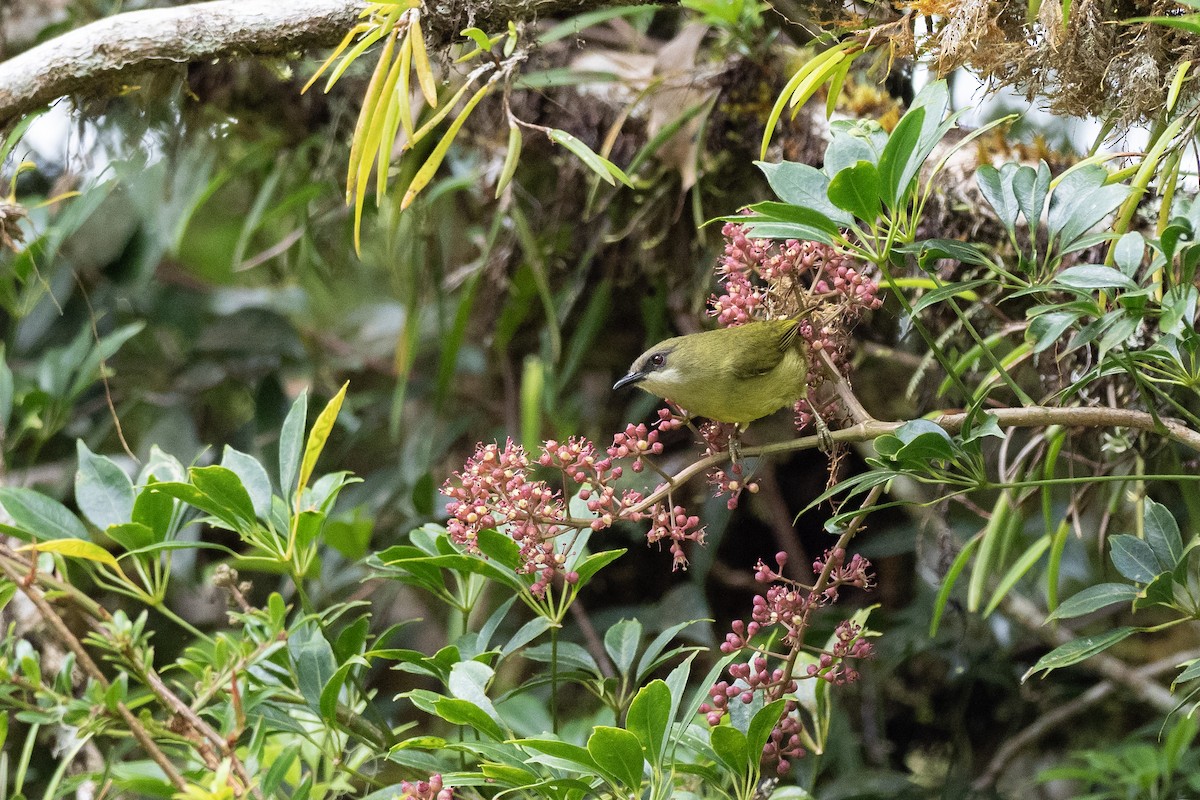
[{"x": 629, "y": 379}]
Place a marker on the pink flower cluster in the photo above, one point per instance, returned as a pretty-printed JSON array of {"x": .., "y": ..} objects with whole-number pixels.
[
  {"x": 849, "y": 643},
  {"x": 431, "y": 789},
  {"x": 789, "y": 604},
  {"x": 677, "y": 527},
  {"x": 497, "y": 488},
  {"x": 762, "y": 278},
  {"x": 765, "y": 279}
]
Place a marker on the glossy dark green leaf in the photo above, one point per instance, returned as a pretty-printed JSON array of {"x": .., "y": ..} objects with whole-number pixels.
[
  {"x": 1093, "y": 276},
  {"x": 291, "y": 445},
  {"x": 1048, "y": 328},
  {"x": 1162, "y": 534},
  {"x": 132, "y": 535},
  {"x": 463, "y": 712},
  {"x": 1030, "y": 187},
  {"x": 858, "y": 189},
  {"x": 1078, "y": 650},
  {"x": 1094, "y": 598},
  {"x": 649, "y": 717},
  {"x": 253, "y": 477},
  {"x": 897, "y": 156},
  {"x": 1080, "y": 201},
  {"x": 1133, "y": 558},
  {"x": 619, "y": 753},
  {"x": 312, "y": 662},
  {"x": 765, "y": 720},
  {"x": 592, "y": 564},
  {"x": 731, "y": 748}
]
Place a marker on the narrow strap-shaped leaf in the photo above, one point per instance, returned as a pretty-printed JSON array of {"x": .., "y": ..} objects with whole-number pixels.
[
  {"x": 427, "y": 170},
  {"x": 420, "y": 59}
]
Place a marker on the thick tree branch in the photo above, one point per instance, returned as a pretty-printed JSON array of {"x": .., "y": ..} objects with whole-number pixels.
[{"x": 138, "y": 40}]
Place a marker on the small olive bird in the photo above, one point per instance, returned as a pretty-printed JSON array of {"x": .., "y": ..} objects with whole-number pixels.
[{"x": 732, "y": 375}]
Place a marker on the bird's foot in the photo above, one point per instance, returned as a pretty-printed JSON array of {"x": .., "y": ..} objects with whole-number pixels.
[{"x": 824, "y": 437}]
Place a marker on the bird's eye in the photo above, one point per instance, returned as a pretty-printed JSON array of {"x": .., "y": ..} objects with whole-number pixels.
[{"x": 657, "y": 360}]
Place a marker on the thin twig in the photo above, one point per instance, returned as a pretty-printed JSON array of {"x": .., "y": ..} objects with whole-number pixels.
[{"x": 90, "y": 667}]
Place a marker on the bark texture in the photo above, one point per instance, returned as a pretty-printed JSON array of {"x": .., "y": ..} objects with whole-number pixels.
[{"x": 139, "y": 40}]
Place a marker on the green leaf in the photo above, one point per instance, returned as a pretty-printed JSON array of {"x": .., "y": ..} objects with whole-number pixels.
[
  {"x": 328, "y": 701},
  {"x": 74, "y": 548},
  {"x": 1078, "y": 650},
  {"x": 1190, "y": 672},
  {"x": 943, "y": 596},
  {"x": 103, "y": 491},
  {"x": 253, "y": 477},
  {"x": 312, "y": 662},
  {"x": 761, "y": 726},
  {"x": 477, "y": 36},
  {"x": 621, "y": 641},
  {"x": 468, "y": 681},
  {"x": 1047, "y": 329},
  {"x": 1081, "y": 200},
  {"x": 1014, "y": 573},
  {"x": 132, "y": 535},
  {"x": 562, "y": 750},
  {"x": 291, "y": 444},
  {"x": 6, "y": 392},
  {"x": 1133, "y": 558},
  {"x": 858, "y": 189},
  {"x": 1094, "y": 598},
  {"x": 619, "y": 753},
  {"x": 928, "y": 250},
  {"x": 648, "y": 718},
  {"x": 229, "y": 500},
  {"x": 996, "y": 185},
  {"x": 526, "y": 634},
  {"x": 1162, "y": 534},
  {"x": 1128, "y": 252},
  {"x": 39, "y": 516},
  {"x": 804, "y": 186},
  {"x": 894, "y": 161},
  {"x": 1093, "y": 276},
  {"x": 607, "y": 170},
  {"x": 457, "y": 711},
  {"x": 731, "y": 748},
  {"x": 1179, "y": 310},
  {"x": 569, "y": 656},
  {"x": 1030, "y": 187}
]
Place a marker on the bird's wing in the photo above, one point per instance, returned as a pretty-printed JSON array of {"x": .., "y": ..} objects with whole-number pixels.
[
  {"x": 789, "y": 335},
  {"x": 751, "y": 362}
]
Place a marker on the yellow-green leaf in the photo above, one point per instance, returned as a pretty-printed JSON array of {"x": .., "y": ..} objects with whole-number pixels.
[
  {"x": 396, "y": 112},
  {"x": 791, "y": 91},
  {"x": 337, "y": 51},
  {"x": 421, "y": 64},
  {"x": 319, "y": 434},
  {"x": 1176, "y": 84},
  {"x": 427, "y": 170},
  {"x": 75, "y": 548},
  {"x": 607, "y": 170},
  {"x": 478, "y": 37},
  {"x": 437, "y": 118},
  {"x": 510, "y": 158}
]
